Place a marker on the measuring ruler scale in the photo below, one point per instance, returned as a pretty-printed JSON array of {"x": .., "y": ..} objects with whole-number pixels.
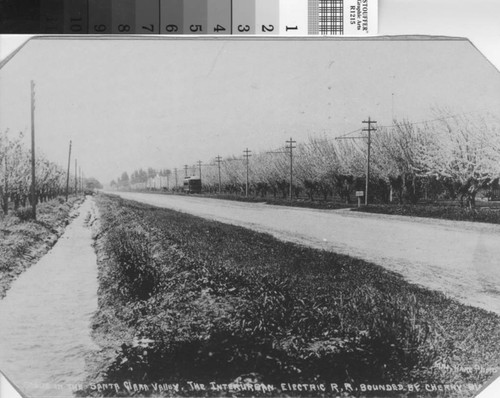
[{"x": 209, "y": 17}]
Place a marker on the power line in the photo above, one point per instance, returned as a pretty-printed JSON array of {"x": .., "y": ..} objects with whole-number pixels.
[
  {"x": 346, "y": 134},
  {"x": 395, "y": 125},
  {"x": 430, "y": 120}
]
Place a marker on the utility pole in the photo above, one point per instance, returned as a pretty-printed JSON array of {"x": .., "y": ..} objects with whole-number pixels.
[
  {"x": 218, "y": 159},
  {"x": 5, "y": 198},
  {"x": 76, "y": 177},
  {"x": 185, "y": 170},
  {"x": 67, "y": 174},
  {"x": 290, "y": 145},
  {"x": 369, "y": 129},
  {"x": 392, "y": 107},
  {"x": 33, "y": 182},
  {"x": 80, "y": 176},
  {"x": 246, "y": 155},
  {"x": 175, "y": 171},
  {"x": 199, "y": 167}
]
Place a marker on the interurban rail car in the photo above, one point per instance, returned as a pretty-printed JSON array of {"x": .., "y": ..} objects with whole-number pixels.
[{"x": 192, "y": 185}]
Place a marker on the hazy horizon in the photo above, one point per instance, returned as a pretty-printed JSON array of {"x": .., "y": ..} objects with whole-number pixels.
[{"x": 163, "y": 103}]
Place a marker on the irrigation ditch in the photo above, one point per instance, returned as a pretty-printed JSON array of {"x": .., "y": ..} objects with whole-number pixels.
[
  {"x": 45, "y": 315},
  {"x": 192, "y": 307},
  {"x": 24, "y": 241}
]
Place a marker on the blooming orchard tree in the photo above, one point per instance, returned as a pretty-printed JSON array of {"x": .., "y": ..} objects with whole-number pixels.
[
  {"x": 15, "y": 174},
  {"x": 399, "y": 157},
  {"x": 465, "y": 152}
]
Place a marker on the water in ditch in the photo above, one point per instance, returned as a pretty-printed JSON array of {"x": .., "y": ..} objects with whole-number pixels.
[{"x": 45, "y": 317}]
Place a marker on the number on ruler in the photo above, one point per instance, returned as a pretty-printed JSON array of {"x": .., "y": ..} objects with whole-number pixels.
[
  {"x": 149, "y": 28},
  {"x": 269, "y": 28},
  {"x": 172, "y": 28},
  {"x": 291, "y": 28},
  {"x": 196, "y": 28},
  {"x": 123, "y": 28},
  {"x": 219, "y": 28},
  {"x": 242, "y": 28},
  {"x": 100, "y": 28},
  {"x": 76, "y": 25}
]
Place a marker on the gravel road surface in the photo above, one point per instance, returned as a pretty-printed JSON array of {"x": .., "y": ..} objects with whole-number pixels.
[{"x": 460, "y": 259}]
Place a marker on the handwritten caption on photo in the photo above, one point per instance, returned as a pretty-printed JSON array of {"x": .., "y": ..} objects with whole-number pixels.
[{"x": 289, "y": 388}]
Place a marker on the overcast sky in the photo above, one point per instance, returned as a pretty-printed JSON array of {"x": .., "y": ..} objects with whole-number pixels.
[{"x": 165, "y": 103}]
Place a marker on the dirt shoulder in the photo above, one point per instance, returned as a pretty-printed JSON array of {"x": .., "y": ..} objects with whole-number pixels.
[{"x": 24, "y": 242}]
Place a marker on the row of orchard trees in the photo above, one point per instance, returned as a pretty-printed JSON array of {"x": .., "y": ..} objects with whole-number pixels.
[
  {"x": 141, "y": 179},
  {"x": 451, "y": 158},
  {"x": 15, "y": 175}
]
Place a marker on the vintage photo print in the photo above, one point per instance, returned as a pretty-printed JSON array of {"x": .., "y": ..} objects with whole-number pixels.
[{"x": 249, "y": 217}]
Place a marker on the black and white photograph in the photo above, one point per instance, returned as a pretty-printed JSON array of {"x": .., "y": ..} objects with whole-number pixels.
[{"x": 249, "y": 217}]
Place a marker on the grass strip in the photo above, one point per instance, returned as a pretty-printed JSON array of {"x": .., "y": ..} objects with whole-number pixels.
[
  {"x": 182, "y": 298},
  {"x": 24, "y": 241},
  {"x": 455, "y": 213}
]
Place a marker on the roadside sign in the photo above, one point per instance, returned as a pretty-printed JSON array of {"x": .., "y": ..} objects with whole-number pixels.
[{"x": 360, "y": 193}]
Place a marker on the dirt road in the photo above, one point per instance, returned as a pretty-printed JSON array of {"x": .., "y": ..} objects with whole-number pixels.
[{"x": 461, "y": 259}]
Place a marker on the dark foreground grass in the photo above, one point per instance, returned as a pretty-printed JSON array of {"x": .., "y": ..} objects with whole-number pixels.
[
  {"x": 23, "y": 241},
  {"x": 182, "y": 299},
  {"x": 445, "y": 212}
]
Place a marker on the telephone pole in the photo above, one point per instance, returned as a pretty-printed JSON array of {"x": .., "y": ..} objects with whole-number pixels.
[
  {"x": 76, "y": 177},
  {"x": 369, "y": 129},
  {"x": 175, "y": 171},
  {"x": 199, "y": 167},
  {"x": 5, "y": 197},
  {"x": 392, "y": 107},
  {"x": 67, "y": 174},
  {"x": 291, "y": 145},
  {"x": 33, "y": 182},
  {"x": 246, "y": 153},
  {"x": 218, "y": 159}
]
